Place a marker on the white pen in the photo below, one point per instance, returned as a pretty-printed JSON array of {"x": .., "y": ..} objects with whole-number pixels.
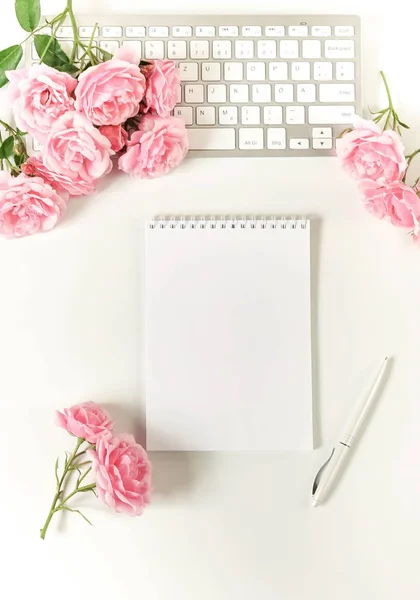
[{"x": 331, "y": 469}]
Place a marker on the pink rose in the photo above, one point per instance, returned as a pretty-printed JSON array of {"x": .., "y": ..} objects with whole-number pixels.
[
  {"x": 77, "y": 152},
  {"x": 396, "y": 201},
  {"x": 162, "y": 83},
  {"x": 39, "y": 96},
  {"x": 129, "y": 54},
  {"x": 367, "y": 152},
  {"x": 28, "y": 205},
  {"x": 116, "y": 135},
  {"x": 87, "y": 420},
  {"x": 111, "y": 92},
  {"x": 122, "y": 473},
  {"x": 158, "y": 146},
  {"x": 34, "y": 167}
]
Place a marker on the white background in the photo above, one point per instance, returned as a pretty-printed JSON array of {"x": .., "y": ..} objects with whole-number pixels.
[{"x": 221, "y": 526}]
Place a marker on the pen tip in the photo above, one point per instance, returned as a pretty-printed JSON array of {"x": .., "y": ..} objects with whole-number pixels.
[
  {"x": 315, "y": 502},
  {"x": 386, "y": 358}
]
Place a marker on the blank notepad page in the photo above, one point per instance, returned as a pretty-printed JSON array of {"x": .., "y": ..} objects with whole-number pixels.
[{"x": 228, "y": 335}]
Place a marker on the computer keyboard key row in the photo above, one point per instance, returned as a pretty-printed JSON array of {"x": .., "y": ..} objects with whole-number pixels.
[{"x": 250, "y": 85}]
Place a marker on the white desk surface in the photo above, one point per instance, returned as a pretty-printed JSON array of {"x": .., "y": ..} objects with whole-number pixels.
[{"x": 221, "y": 527}]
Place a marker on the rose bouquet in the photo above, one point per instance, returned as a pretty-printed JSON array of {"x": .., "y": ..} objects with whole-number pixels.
[
  {"x": 89, "y": 111},
  {"x": 374, "y": 156},
  {"x": 120, "y": 466}
]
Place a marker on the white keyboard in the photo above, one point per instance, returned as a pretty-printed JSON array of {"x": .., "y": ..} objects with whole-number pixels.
[{"x": 273, "y": 85}]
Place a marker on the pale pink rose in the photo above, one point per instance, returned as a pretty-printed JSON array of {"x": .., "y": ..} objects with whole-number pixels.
[
  {"x": 129, "y": 54},
  {"x": 87, "y": 420},
  {"x": 34, "y": 167},
  {"x": 162, "y": 83},
  {"x": 122, "y": 473},
  {"x": 367, "y": 152},
  {"x": 39, "y": 95},
  {"x": 156, "y": 148},
  {"x": 111, "y": 92},
  {"x": 28, "y": 205},
  {"x": 396, "y": 201},
  {"x": 77, "y": 152},
  {"x": 116, "y": 134}
]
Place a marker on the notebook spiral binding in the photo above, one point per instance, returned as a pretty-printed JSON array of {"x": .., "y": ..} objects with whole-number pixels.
[{"x": 228, "y": 222}]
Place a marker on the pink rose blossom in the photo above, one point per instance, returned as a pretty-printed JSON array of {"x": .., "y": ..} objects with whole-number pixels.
[
  {"x": 162, "y": 83},
  {"x": 87, "y": 420},
  {"x": 39, "y": 96},
  {"x": 367, "y": 152},
  {"x": 122, "y": 473},
  {"x": 116, "y": 135},
  {"x": 34, "y": 167},
  {"x": 129, "y": 54},
  {"x": 28, "y": 205},
  {"x": 111, "y": 92},
  {"x": 77, "y": 152},
  {"x": 396, "y": 201},
  {"x": 158, "y": 146}
]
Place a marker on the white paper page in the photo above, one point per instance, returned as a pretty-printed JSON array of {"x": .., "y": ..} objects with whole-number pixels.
[{"x": 228, "y": 339}]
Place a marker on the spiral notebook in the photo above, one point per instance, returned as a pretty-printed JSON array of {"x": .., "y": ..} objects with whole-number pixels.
[{"x": 228, "y": 334}]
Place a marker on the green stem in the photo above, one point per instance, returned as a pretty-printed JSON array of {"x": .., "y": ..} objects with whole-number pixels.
[
  {"x": 59, "y": 490},
  {"x": 73, "y": 22},
  {"x": 411, "y": 156},
  {"x": 388, "y": 93},
  {"x": 54, "y": 31},
  {"x": 85, "y": 488}
]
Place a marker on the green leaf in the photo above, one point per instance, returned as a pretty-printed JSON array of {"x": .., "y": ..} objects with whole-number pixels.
[
  {"x": 403, "y": 124},
  {"x": 54, "y": 55},
  {"x": 20, "y": 159},
  {"x": 28, "y": 13},
  {"x": 9, "y": 60},
  {"x": 6, "y": 149},
  {"x": 67, "y": 68}
]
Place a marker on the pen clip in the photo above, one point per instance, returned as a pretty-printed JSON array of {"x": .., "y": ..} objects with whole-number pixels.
[{"x": 318, "y": 475}]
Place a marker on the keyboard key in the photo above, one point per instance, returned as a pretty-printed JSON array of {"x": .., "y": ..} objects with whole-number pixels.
[
  {"x": 222, "y": 49},
  {"x": 283, "y": 93},
  {"x": 188, "y": 71},
  {"x": 185, "y": 113},
  {"x": 86, "y": 32},
  {"x": 251, "y": 138},
  {"x": 194, "y": 94},
  {"x": 158, "y": 32},
  {"x": 244, "y": 49},
  {"x": 298, "y": 144},
  {"x": 274, "y": 31},
  {"x": 229, "y": 31},
  {"x": 344, "y": 30},
  {"x": 228, "y": 115},
  {"x": 205, "y": 31},
  {"x": 212, "y": 139},
  {"x": 311, "y": 49},
  {"x": 273, "y": 115},
  {"x": 251, "y": 31},
  {"x": 110, "y": 46},
  {"x": 330, "y": 115},
  {"x": 295, "y": 115},
  {"x": 182, "y": 31},
  {"x": 178, "y": 94},
  {"x": 277, "y": 71},
  {"x": 211, "y": 71},
  {"x": 322, "y": 71},
  {"x": 134, "y": 32},
  {"x": 234, "y": 71},
  {"x": 154, "y": 49},
  {"x": 306, "y": 92},
  {"x": 199, "y": 49},
  {"x": 112, "y": 32},
  {"x": 298, "y": 31},
  {"x": 64, "y": 32},
  {"x": 261, "y": 93},
  {"x": 250, "y": 115},
  {"x": 289, "y": 49},
  {"x": 322, "y": 132},
  {"x": 255, "y": 71},
  {"x": 321, "y": 30},
  {"x": 300, "y": 71},
  {"x": 336, "y": 92},
  {"x": 216, "y": 93},
  {"x": 318, "y": 144},
  {"x": 206, "y": 115},
  {"x": 239, "y": 93},
  {"x": 266, "y": 48},
  {"x": 36, "y": 145},
  {"x": 339, "y": 49},
  {"x": 177, "y": 49},
  {"x": 276, "y": 138},
  {"x": 344, "y": 71}
]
